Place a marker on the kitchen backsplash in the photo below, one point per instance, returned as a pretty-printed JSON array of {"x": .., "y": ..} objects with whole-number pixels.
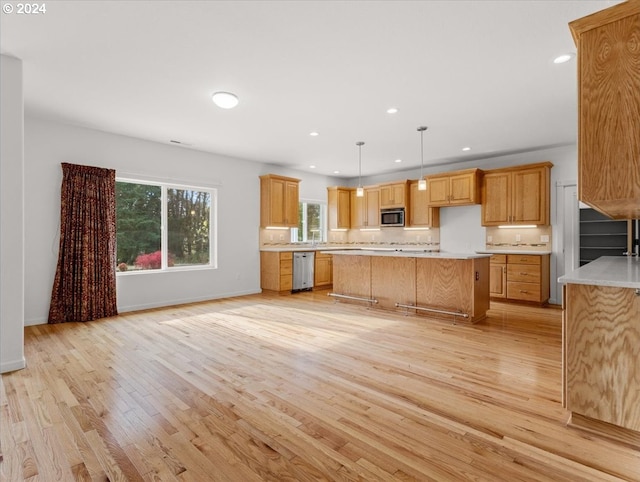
[{"x": 535, "y": 239}]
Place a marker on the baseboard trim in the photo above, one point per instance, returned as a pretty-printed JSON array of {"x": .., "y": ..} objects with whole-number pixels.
[{"x": 11, "y": 366}]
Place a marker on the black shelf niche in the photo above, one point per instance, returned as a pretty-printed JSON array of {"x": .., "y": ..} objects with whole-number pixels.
[{"x": 601, "y": 236}]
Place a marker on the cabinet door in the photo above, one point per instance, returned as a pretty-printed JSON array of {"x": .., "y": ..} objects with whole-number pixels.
[
  {"x": 291, "y": 204},
  {"x": 372, "y": 208},
  {"x": 323, "y": 270},
  {"x": 357, "y": 210},
  {"x": 438, "y": 191},
  {"x": 278, "y": 190},
  {"x": 498, "y": 280},
  {"x": 462, "y": 189},
  {"x": 529, "y": 196},
  {"x": 609, "y": 110},
  {"x": 496, "y": 199},
  {"x": 386, "y": 196},
  {"x": 339, "y": 208},
  {"x": 419, "y": 212}
]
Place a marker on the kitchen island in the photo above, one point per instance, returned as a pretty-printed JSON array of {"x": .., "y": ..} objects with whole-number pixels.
[
  {"x": 601, "y": 347},
  {"x": 449, "y": 285}
]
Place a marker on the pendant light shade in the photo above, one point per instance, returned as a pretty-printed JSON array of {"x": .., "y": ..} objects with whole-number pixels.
[
  {"x": 422, "y": 183},
  {"x": 360, "y": 189}
]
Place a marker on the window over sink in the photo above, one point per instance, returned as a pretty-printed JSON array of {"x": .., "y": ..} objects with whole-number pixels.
[{"x": 312, "y": 223}]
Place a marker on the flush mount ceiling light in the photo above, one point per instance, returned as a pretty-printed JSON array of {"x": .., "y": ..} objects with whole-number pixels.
[
  {"x": 561, "y": 59},
  {"x": 398, "y": 161},
  {"x": 313, "y": 134},
  {"x": 466, "y": 149},
  {"x": 225, "y": 100},
  {"x": 422, "y": 183},
  {"x": 360, "y": 190},
  {"x": 392, "y": 110}
]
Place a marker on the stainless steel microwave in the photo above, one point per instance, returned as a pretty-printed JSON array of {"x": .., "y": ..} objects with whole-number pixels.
[{"x": 392, "y": 217}]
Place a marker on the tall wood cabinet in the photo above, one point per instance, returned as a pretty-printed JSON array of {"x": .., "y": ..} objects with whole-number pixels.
[
  {"x": 339, "y": 207},
  {"x": 278, "y": 201},
  {"x": 609, "y": 109},
  {"x": 516, "y": 195},
  {"x": 365, "y": 211},
  {"x": 419, "y": 213},
  {"x": 455, "y": 188}
]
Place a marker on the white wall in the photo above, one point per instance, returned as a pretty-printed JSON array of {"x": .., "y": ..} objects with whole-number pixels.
[
  {"x": 47, "y": 144},
  {"x": 11, "y": 216}
]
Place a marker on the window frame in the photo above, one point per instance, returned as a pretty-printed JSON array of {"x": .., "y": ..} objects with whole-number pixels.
[
  {"x": 323, "y": 222},
  {"x": 164, "y": 231}
]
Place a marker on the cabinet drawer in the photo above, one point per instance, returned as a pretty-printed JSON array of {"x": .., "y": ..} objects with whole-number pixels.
[
  {"x": 498, "y": 259},
  {"x": 286, "y": 282},
  {"x": 523, "y": 272},
  {"x": 523, "y": 291},
  {"x": 286, "y": 267},
  {"x": 524, "y": 259},
  {"x": 286, "y": 255}
]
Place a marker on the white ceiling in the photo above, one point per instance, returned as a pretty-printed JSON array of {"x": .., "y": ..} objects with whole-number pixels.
[{"x": 477, "y": 73}]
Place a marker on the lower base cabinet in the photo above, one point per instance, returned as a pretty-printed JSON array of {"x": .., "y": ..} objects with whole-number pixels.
[
  {"x": 323, "y": 270},
  {"x": 520, "y": 277},
  {"x": 276, "y": 271}
]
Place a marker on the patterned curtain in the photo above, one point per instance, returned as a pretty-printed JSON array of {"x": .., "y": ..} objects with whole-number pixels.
[{"x": 84, "y": 287}]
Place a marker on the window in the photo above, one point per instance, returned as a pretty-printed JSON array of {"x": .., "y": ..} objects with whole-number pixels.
[
  {"x": 161, "y": 227},
  {"x": 312, "y": 217}
]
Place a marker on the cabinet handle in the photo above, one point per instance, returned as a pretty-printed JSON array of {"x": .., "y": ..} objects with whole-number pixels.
[
  {"x": 523, "y": 274},
  {"x": 523, "y": 291}
]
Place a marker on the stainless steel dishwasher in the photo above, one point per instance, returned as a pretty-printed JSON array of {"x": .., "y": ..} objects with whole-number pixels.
[{"x": 303, "y": 265}]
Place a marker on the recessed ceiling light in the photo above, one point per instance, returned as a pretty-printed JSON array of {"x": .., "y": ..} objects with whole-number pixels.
[
  {"x": 336, "y": 172},
  {"x": 561, "y": 59},
  {"x": 225, "y": 100},
  {"x": 392, "y": 110},
  {"x": 466, "y": 148},
  {"x": 398, "y": 160},
  {"x": 312, "y": 167},
  {"x": 313, "y": 134}
]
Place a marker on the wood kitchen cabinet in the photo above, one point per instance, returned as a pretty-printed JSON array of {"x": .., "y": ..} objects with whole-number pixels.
[
  {"x": 323, "y": 270},
  {"x": 278, "y": 201},
  {"x": 516, "y": 195},
  {"x": 393, "y": 195},
  {"x": 609, "y": 109},
  {"x": 339, "y": 207},
  {"x": 276, "y": 271},
  {"x": 419, "y": 214},
  {"x": 454, "y": 188},
  {"x": 498, "y": 276},
  {"x": 528, "y": 277},
  {"x": 365, "y": 211}
]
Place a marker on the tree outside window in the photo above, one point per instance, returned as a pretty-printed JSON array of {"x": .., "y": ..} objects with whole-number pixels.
[
  {"x": 141, "y": 212},
  {"x": 311, "y": 223}
]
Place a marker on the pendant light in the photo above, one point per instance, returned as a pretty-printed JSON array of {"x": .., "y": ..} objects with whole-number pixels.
[
  {"x": 360, "y": 189},
  {"x": 422, "y": 183}
]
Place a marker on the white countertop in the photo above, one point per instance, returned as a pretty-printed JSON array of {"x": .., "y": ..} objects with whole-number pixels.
[
  {"x": 618, "y": 271},
  {"x": 320, "y": 247},
  {"x": 512, "y": 251},
  {"x": 408, "y": 254}
]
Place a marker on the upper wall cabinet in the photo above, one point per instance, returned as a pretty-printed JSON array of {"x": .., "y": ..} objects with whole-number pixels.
[
  {"x": 454, "y": 188},
  {"x": 339, "y": 207},
  {"x": 419, "y": 214},
  {"x": 393, "y": 195},
  {"x": 608, "y": 45},
  {"x": 278, "y": 201},
  {"x": 516, "y": 195},
  {"x": 365, "y": 211}
]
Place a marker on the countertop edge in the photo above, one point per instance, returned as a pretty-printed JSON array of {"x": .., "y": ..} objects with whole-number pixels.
[
  {"x": 612, "y": 271},
  {"x": 512, "y": 251}
]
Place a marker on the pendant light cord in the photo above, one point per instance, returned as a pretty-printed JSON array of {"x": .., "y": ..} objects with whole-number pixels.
[
  {"x": 421, "y": 129},
  {"x": 359, "y": 144}
]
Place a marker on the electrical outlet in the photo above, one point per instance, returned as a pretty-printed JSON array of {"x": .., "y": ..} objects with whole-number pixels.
[
  {"x": 544, "y": 238},
  {"x": 489, "y": 239},
  {"x": 518, "y": 238},
  {"x": 429, "y": 239},
  {"x": 282, "y": 237},
  {"x": 418, "y": 238}
]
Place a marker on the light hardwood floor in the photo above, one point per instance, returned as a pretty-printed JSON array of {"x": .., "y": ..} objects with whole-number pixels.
[{"x": 298, "y": 388}]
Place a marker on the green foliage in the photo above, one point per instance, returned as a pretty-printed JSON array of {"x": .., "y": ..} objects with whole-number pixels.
[{"x": 138, "y": 220}]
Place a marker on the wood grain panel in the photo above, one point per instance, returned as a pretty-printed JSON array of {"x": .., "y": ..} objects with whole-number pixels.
[
  {"x": 524, "y": 272},
  {"x": 523, "y": 291},
  {"x": 352, "y": 275},
  {"x": 445, "y": 284},
  {"x": 609, "y": 109},
  {"x": 603, "y": 354},
  {"x": 393, "y": 280}
]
